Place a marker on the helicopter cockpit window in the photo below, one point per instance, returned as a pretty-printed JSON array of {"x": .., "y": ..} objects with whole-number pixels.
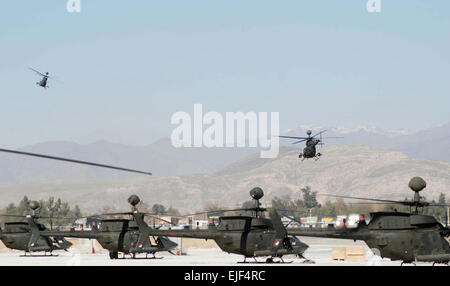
[
  {"x": 112, "y": 226},
  {"x": 232, "y": 224},
  {"x": 16, "y": 228}
]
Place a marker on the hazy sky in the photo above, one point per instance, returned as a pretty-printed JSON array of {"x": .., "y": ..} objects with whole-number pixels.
[{"x": 126, "y": 66}]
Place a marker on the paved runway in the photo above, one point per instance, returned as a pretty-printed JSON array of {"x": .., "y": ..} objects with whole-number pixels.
[{"x": 319, "y": 251}]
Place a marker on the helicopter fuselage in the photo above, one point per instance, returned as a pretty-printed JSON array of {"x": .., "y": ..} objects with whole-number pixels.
[
  {"x": 121, "y": 235},
  {"x": 310, "y": 150},
  {"x": 17, "y": 235},
  {"x": 43, "y": 82},
  {"x": 398, "y": 236},
  {"x": 244, "y": 235}
]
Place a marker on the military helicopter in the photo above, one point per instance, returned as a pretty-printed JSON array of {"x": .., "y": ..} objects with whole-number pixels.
[
  {"x": 43, "y": 81},
  {"x": 29, "y": 236},
  {"x": 311, "y": 141},
  {"x": 408, "y": 237},
  {"x": 128, "y": 236},
  {"x": 251, "y": 236}
]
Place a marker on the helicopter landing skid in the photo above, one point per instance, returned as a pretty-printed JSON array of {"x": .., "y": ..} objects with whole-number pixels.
[
  {"x": 404, "y": 262},
  {"x": 443, "y": 263},
  {"x": 268, "y": 260},
  {"x": 134, "y": 256},
  {"x": 39, "y": 255},
  {"x": 306, "y": 260}
]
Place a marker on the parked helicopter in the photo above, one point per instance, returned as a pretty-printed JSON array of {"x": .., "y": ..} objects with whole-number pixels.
[
  {"x": 43, "y": 81},
  {"x": 408, "y": 237},
  {"x": 128, "y": 236},
  {"x": 29, "y": 236},
  {"x": 311, "y": 141},
  {"x": 251, "y": 236}
]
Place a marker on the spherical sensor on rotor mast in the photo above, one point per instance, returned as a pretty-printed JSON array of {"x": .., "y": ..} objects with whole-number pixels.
[
  {"x": 133, "y": 200},
  {"x": 34, "y": 205},
  {"x": 417, "y": 184},
  {"x": 256, "y": 193}
]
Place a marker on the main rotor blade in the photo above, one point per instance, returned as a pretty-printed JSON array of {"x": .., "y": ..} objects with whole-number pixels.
[
  {"x": 318, "y": 133},
  {"x": 438, "y": 205},
  {"x": 333, "y": 137},
  {"x": 37, "y": 71},
  {"x": 293, "y": 137},
  {"x": 74, "y": 161},
  {"x": 296, "y": 142},
  {"x": 366, "y": 199},
  {"x": 8, "y": 215},
  {"x": 219, "y": 211},
  {"x": 111, "y": 214}
]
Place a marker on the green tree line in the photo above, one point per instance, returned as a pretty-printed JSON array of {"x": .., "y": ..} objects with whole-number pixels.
[
  {"x": 60, "y": 212},
  {"x": 307, "y": 205}
]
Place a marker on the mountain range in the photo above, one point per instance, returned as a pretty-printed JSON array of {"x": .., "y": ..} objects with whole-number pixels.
[
  {"x": 345, "y": 170},
  {"x": 162, "y": 159}
]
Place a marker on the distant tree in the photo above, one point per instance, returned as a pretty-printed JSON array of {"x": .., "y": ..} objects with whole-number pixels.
[
  {"x": 60, "y": 212},
  {"x": 159, "y": 209},
  {"x": 209, "y": 206},
  {"x": 173, "y": 211}
]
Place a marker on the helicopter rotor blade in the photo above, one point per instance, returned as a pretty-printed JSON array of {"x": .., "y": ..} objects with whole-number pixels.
[
  {"x": 37, "y": 71},
  {"x": 318, "y": 133},
  {"x": 438, "y": 205},
  {"x": 152, "y": 215},
  {"x": 73, "y": 161},
  {"x": 293, "y": 137},
  {"x": 218, "y": 211},
  {"x": 333, "y": 137},
  {"x": 111, "y": 214},
  {"x": 296, "y": 142},
  {"x": 8, "y": 215},
  {"x": 366, "y": 199}
]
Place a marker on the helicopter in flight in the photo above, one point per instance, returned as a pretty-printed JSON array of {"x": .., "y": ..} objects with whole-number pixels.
[
  {"x": 311, "y": 142},
  {"x": 30, "y": 236},
  {"x": 249, "y": 235},
  {"x": 408, "y": 237},
  {"x": 127, "y": 236},
  {"x": 43, "y": 81}
]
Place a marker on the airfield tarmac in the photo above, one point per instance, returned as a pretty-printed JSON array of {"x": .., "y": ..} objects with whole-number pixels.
[{"x": 319, "y": 250}]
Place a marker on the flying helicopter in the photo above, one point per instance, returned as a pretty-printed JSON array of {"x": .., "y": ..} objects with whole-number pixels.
[
  {"x": 128, "y": 236},
  {"x": 251, "y": 236},
  {"x": 408, "y": 237},
  {"x": 311, "y": 141},
  {"x": 43, "y": 81},
  {"x": 30, "y": 236}
]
